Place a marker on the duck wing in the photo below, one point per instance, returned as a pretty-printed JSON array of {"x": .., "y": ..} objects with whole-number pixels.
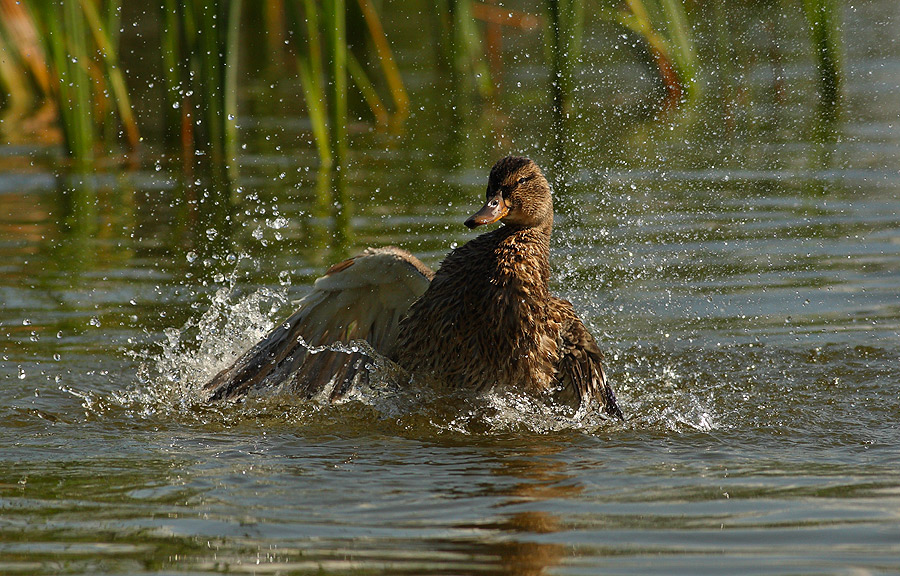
[
  {"x": 580, "y": 366},
  {"x": 362, "y": 298}
]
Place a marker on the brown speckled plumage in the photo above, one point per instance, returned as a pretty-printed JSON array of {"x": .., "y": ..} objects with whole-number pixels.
[{"x": 487, "y": 320}]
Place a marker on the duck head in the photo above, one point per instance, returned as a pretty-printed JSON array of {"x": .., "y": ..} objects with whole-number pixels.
[{"x": 517, "y": 195}]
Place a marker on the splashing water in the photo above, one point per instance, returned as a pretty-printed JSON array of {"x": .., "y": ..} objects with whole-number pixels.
[
  {"x": 170, "y": 380},
  {"x": 192, "y": 354}
]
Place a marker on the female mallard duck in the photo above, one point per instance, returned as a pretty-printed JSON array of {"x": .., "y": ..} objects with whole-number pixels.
[{"x": 486, "y": 320}]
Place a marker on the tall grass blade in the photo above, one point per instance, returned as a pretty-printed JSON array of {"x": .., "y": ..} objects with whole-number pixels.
[
  {"x": 459, "y": 45},
  {"x": 386, "y": 58},
  {"x": 334, "y": 23},
  {"x": 210, "y": 79},
  {"x": 171, "y": 41},
  {"x": 229, "y": 118},
  {"x": 315, "y": 108},
  {"x": 113, "y": 73},
  {"x": 309, "y": 65},
  {"x": 564, "y": 26},
  {"x": 639, "y": 21},
  {"x": 823, "y": 21},
  {"x": 68, "y": 39},
  {"x": 681, "y": 46},
  {"x": 470, "y": 53},
  {"x": 362, "y": 81}
]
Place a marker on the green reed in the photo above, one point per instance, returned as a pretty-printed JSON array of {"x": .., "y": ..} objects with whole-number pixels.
[
  {"x": 459, "y": 45},
  {"x": 326, "y": 66},
  {"x": 79, "y": 40},
  {"x": 65, "y": 43},
  {"x": 664, "y": 26},
  {"x": 823, "y": 21},
  {"x": 199, "y": 44},
  {"x": 105, "y": 31},
  {"x": 389, "y": 67},
  {"x": 310, "y": 68},
  {"x": 565, "y": 22},
  {"x": 335, "y": 26},
  {"x": 200, "y": 47}
]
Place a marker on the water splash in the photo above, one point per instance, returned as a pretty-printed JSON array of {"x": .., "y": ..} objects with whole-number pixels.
[
  {"x": 655, "y": 392},
  {"x": 659, "y": 391},
  {"x": 170, "y": 377}
]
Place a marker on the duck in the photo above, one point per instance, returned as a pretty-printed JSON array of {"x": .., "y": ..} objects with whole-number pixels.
[{"x": 485, "y": 321}]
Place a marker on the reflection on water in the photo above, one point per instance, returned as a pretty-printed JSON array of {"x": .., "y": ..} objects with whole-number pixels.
[{"x": 738, "y": 262}]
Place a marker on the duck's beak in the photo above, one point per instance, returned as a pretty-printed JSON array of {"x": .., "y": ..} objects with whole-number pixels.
[{"x": 495, "y": 209}]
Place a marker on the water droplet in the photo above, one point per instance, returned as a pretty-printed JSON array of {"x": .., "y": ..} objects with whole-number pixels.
[
  {"x": 26, "y": 322},
  {"x": 231, "y": 258},
  {"x": 21, "y": 374},
  {"x": 211, "y": 233},
  {"x": 95, "y": 322},
  {"x": 57, "y": 357},
  {"x": 278, "y": 223}
]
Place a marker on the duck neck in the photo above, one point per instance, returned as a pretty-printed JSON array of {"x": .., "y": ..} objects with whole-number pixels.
[{"x": 525, "y": 254}]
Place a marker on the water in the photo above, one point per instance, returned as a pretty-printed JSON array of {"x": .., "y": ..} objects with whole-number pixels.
[{"x": 743, "y": 281}]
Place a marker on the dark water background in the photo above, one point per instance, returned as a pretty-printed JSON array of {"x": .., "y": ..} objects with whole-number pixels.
[{"x": 739, "y": 262}]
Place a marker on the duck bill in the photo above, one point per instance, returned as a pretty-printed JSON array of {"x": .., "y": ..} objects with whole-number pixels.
[{"x": 495, "y": 209}]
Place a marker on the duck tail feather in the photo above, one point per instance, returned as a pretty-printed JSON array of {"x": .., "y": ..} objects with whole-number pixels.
[{"x": 606, "y": 393}]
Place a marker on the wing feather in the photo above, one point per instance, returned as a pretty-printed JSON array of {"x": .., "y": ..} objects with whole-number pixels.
[
  {"x": 581, "y": 362},
  {"x": 362, "y": 298}
]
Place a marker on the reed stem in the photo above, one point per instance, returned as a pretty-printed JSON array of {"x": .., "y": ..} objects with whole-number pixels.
[
  {"x": 71, "y": 57},
  {"x": 564, "y": 29},
  {"x": 823, "y": 21},
  {"x": 334, "y": 22},
  {"x": 385, "y": 56},
  {"x": 106, "y": 39},
  {"x": 229, "y": 93}
]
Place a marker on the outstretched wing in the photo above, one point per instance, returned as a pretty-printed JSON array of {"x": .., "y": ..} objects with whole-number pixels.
[
  {"x": 580, "y": 367},
  {"x": 362, "y": 298}
]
